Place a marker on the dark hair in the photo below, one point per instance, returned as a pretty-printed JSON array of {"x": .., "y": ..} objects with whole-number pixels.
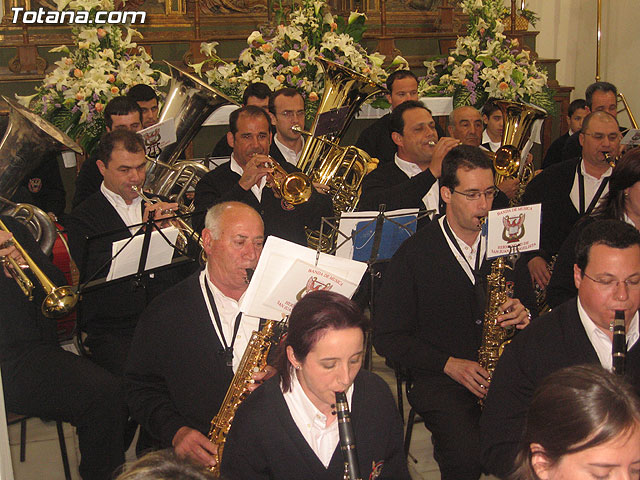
[
  {"x": 598, "y": 87},
  {"x": 396, "y": 120},
  {"x": 597, "y": 114},
  {"x": 574, "y": 409},
  {"x": 142, "y": 93},
  {"x": 131, "y": 142},
  {"x": 624, "y": 175},
  {"x": 258, "y": 89},
  {"x": 609, "y": 232},
  {"x": 287, "y": 92},
  {"x": 399, "y": 75},
  {"x": 249, "y": 111},
  {"x": 576, "y": 105},
  {"x": 120, "y": 106},
  {"x": 164, "y": 465},
  {"x": 462, "y": 156},
  {"x": 311, "y": 316},
  {"x": 489, "y": 107}
]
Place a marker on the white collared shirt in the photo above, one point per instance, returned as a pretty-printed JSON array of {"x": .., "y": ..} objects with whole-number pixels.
[
  {"x": 468, "y": 262},
  {"x": 228, "y": 309},
  {"x": 494, "y": 146},
  {"x": 601, "y": 342},
  {"x": 432, "y": 199},
  {"x": 311, "y": 422},
  {"x": 255, "y": 189},
  {"x": 289, "y": 155},
  {"x": 130, "y": 214},
  {"x": 591, "y": 185}
]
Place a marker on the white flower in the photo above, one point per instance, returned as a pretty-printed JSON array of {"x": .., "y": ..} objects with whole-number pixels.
[
  {"x": 254, "y": 37},
  {"x": 355, "y": 16},
  {"x": 209, "y": 49},
  {"x": 293, "y": 54}
]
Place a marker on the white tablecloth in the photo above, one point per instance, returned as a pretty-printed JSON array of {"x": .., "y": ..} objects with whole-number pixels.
[{"x": 438, "y": 105}]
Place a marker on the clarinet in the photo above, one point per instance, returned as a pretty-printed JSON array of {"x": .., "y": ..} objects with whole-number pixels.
[
  {"x": 347, "y": 439},
  {"x": 619, "y": 350}
]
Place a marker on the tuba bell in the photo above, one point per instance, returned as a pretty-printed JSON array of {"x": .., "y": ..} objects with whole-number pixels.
[
  {"x": 323, "y": 159},
  {"x": 189, "y": 102},
  {"x": 518, "y": 121}
]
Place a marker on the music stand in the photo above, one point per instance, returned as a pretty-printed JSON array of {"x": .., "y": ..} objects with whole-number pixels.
[{"x": 373, "y": 262}]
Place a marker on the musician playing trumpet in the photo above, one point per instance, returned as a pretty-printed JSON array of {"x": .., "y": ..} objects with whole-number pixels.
[
  {"x": 190, "y": 340},
  {"x": 244, "y": 178},
  {"x": 411, "y": 180}
]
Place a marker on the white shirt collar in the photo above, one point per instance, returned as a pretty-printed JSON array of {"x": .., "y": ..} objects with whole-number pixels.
[
  {"x": 487, "y": 139},
  {"x": 255, "y": 189},
  {"x": 289, "y": 155},
  {"x": 410, "y": 168},
  {"x": 468, "y": 261},
  {"x": 130, "y": 214},
  {"x": 600, "y": 341},
  {"x": 311, "y": 422}
]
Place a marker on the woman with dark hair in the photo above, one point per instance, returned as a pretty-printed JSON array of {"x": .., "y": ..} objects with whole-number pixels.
[
  {"x": 287, "y": 429},
  {"x": 621, "y": 203},
  {"x": 583, "y": 423}
]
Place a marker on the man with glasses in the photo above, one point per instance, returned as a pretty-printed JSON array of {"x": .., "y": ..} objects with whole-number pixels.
[
  {"x": 430, "y": 309},
  {"x": 570, "y": 189},
  {"x": 286, "y": 107},
  {"x": 607, "y": 275},
  {"x": 244, "y": 178}
]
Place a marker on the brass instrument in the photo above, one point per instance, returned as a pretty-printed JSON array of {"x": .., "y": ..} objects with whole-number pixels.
[
  {"x": 295, "y": 188},
  {"x": 189, "y": 102},
  {"x": 28, "y": 141},
  {"x": 518, "y": 121},
  {"x": 36, "y": 220},
  {"x": 254, "y": 359},
  {"x": 612, "y": 160},
  {"x": 185, "y": 230},
  {"x": 347, "y": 438},
  {"x": 59, "y": 300},
  {"x": 494, "y": 336},
  {"x": 626, "y": 108},
  {"x": 619, "y": 344},
  {"x": 541, "y": 292}
]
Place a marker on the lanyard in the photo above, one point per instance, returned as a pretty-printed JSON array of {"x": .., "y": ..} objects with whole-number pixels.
[
  {"x": 227, "y": 351},
  {"x": 453, "y": 239},
  {"x": 595, "y": 198}
]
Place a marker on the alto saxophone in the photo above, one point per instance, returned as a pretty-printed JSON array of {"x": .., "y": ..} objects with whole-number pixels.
[
  {"x": 253, "y": 360},
  {"x": 494, "y": 336}
]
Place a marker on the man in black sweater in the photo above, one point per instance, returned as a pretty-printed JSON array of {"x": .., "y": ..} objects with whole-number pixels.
[
  {"x": 429, "y": 313},
  {"x": 607, "y": 275},
  {"x": 190, "y": 340},
  {"x": 576, "y": 114}
]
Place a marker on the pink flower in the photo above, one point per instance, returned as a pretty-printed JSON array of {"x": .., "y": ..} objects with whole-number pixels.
[
  {"x": 266, "y": 47},
  {"x": 114, "y": 90},
  {"x": 295, "y": 69},
  {"x": 77, "y": 73},
  {"x": 101, "y": 32},
  {"x": 99, "y": 107},
  {"x": 280, "y": 78},
  {"x": 285, "y": 55},
  {"x": 313, "y": 97},
  {"x": 503, "y": 86},
  {"x": 111, "y": 78},
  {"x": 79, "y": 96}
]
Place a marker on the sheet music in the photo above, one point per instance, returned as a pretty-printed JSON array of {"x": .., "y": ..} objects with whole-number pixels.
[{"x": 127, "y": 261}]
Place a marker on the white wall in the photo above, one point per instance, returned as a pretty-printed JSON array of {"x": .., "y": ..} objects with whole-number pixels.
[{"x": 568, "y": 32}]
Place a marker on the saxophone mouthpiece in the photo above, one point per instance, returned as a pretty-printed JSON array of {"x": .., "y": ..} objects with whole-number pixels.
[
  {"x": 431, "y": 143},
  {"x": 249, "y": 274}
]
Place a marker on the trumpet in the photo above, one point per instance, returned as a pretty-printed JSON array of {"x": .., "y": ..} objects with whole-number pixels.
[
  {"x": 185, "y": 230},
  {"x": 295, "y": 188},
  {"x": 59, "y": 300}
]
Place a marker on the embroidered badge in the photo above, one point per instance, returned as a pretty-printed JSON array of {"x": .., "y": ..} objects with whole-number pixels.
[
  {"x": 35, "y": 184},
  {"x": 286, "y": 205},
  {"x": 377, "y": 470}
]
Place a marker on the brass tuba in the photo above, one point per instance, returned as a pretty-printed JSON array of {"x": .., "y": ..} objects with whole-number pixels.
[
  {"x": 189, "y": 102},
  {"x": 518, "y": 121},
  {"x": 322, "y": 158}
]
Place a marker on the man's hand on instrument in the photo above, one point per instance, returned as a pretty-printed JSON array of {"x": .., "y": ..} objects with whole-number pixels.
[
  {"x": 514, "y": 314},
  {"x": 539, "y": 271},
  {"x": 188, "y": 442},
  {"x": 257, "y": 167},
  {"x": 509, "y": 186},
  {"x": 8, "y": 249},
  {"x": 469, "y": 374},
  {"x": 162, "y": 210},
  {"x": 444, "y": 146},
  {"x": 259, "y": 377},
  {"x": 321, "y": 188}
]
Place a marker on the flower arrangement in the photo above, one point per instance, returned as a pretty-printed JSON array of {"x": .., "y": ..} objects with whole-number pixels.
[
  {"x": 103, "y": 63},
  {"x": 485, "y": 64},
  {"x": 286, "y": 59}
]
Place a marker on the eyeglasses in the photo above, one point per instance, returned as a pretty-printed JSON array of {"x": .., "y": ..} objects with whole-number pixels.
[
  {"x": 598, "y": 137},
  {"x": 489, "y": 194},
  {"x": 291, "y": 113},
  {"x": 611, "y": 284}
]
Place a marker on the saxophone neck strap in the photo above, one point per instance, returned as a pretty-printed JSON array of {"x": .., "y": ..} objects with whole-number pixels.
[
  {"x": 227, "y": 350},
  {"x": 454, "y": 240},
  {"x": 596, "y": 196}
]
